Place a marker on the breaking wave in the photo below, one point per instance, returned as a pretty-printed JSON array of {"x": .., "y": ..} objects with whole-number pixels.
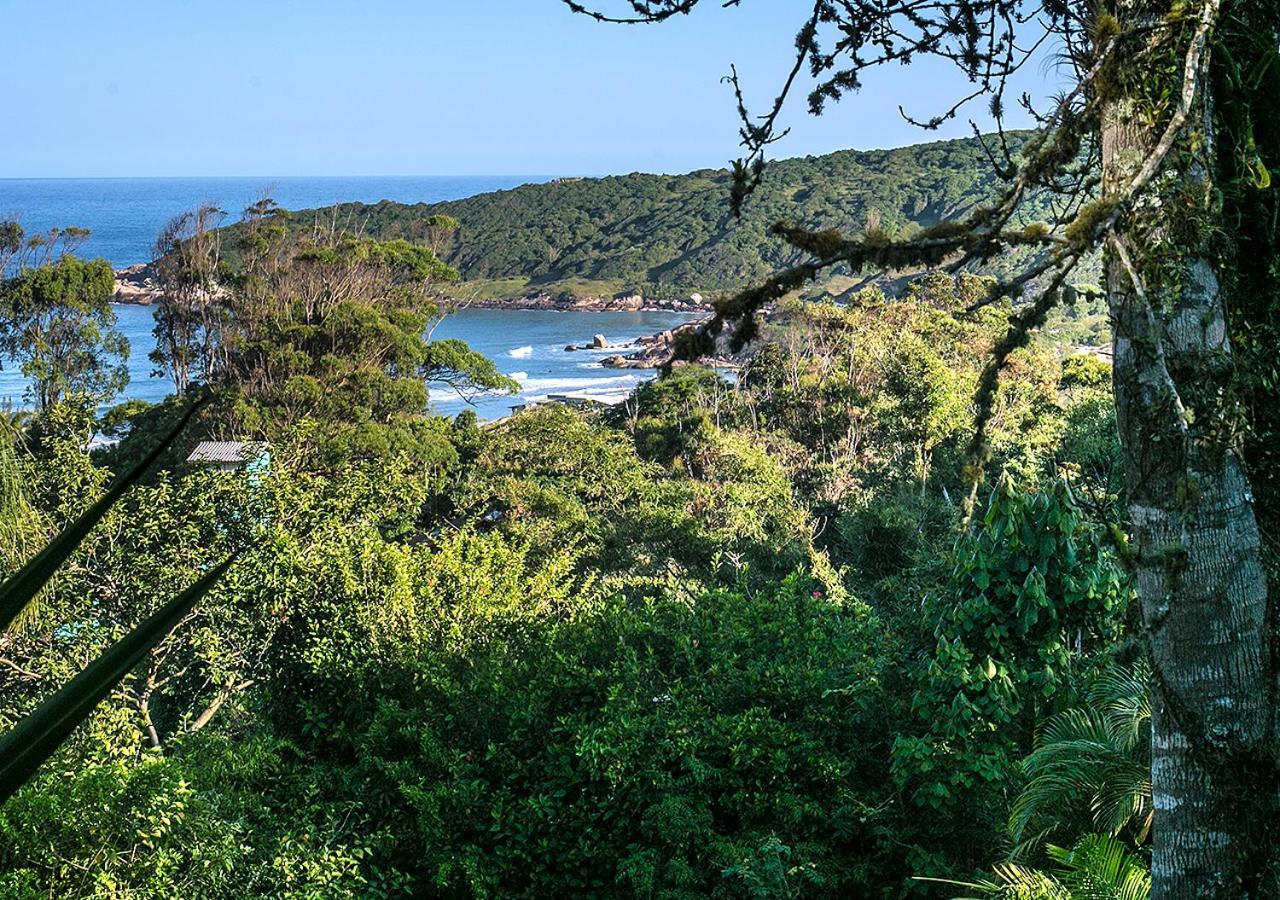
[{"x": 556, "y": 385}]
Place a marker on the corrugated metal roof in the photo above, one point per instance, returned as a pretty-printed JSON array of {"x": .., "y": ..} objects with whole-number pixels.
[{"x": 226, "y": 451}]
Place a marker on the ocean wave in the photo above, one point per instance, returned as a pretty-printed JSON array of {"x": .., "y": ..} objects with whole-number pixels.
[
  {"x": 521, "y": 352},
  {"x": 557, "y": 385},
  {"x": 603, "y": 396},
  {"x": 607, "y": 387}
]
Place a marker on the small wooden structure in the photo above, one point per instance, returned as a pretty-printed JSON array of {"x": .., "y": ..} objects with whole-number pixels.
[{"x": 231, "y": 456}]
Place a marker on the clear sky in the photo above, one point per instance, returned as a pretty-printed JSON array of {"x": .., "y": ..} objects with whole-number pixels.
[{"x": 411, "y": 87}]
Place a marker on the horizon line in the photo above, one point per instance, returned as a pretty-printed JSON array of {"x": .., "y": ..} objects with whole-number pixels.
[{"x": 598, "y": 174}]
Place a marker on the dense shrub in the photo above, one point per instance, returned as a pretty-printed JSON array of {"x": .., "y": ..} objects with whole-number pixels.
[{"x": 683, "y": 746}]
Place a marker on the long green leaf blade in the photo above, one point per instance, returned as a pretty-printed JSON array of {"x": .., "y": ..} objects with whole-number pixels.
[
  {"x": 35, "y": 738},
  {"x": 22, "y": 587}
]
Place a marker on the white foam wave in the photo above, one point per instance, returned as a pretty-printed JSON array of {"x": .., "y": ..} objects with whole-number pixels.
[
  {"x": 521, "y": 352},
  {"x": 556, "y": 385},
  {"x": 604, "y": 396}
]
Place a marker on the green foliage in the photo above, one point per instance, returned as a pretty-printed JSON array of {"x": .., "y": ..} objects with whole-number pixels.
[
  {"x": 1098, "y": 867},
  {"x": 1034, "y": 599},
  {"x": 214, "y": 818},
  {"x": 19, "y": 520},
  {"x": 552, "y": 478},
  {"x": 322, "y": 335},
  {"x": 667, "y": 236},
  {"x": 33, "y": 739},
  {"x": 675, "y": 746},
  {"x": 57, "y": 323},
  {"x": 120, "y": 827},
  {"x": 668, "y": 416},
  {"x": 1246, "y": 75},
  {"x": 21, "y": 587},
  {"x": 921, "y": 403},
  {"x": 1090, "y": 769},
  {"x": 671, "y": 648}
]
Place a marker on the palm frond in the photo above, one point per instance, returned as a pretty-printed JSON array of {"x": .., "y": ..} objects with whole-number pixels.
[
  {"x": 1090, "y": 759},
  {"x": 1099, "y": 867},
  {"x": 1124, "y": 695},
  {"x": 1012, "y": 882}
]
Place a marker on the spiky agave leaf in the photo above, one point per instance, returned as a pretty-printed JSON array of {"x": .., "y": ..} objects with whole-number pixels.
[
  {"x": 36, "y": 737},
  {"x": 24, "y": 585}
]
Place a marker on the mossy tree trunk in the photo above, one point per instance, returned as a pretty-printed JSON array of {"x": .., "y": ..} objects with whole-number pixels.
[{"x": 1195, "y": 536}]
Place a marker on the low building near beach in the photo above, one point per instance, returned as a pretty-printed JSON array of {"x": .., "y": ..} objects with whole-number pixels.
[{"x": 253, "y": 457}]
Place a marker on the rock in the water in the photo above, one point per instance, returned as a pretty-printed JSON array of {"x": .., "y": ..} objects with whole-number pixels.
[
  {"x": 599, "y": 342},
  {"x": 571, "y": 348},
  {"x": 615, "y": 362},
  {"x": 136, "y": 284}
]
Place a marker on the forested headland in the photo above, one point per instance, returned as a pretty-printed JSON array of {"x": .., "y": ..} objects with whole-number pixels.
[{"x": 664, "y": 237}]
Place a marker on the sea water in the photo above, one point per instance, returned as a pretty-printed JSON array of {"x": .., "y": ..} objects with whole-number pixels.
[{"x": 124, "y": 214}]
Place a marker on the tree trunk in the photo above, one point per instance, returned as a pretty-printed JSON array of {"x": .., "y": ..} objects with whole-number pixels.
[
  {"x": 144, "y": 710},
  {"x": 1195, "y": 539}
]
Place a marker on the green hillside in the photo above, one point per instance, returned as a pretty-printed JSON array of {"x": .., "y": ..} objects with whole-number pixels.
[{"x": 669, "y": 235}]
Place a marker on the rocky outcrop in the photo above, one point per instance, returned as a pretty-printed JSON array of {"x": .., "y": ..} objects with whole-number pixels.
[
  {"x": 136, "y": 284},
  {"x": 657, "y": 350}
]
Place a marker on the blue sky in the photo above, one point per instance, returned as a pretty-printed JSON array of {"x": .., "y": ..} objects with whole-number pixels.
[{"x": 411, "y": 87}]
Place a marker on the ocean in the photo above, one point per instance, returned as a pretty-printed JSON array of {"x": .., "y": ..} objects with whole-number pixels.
[{"x": 124, "y": 214}]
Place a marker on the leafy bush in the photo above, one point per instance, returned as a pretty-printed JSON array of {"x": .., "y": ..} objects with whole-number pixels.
[
  {"x": 676, "y": 747},
  {"x": 1036, "y": 597}
]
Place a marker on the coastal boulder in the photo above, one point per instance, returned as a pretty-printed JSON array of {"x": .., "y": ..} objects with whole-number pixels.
[
  {"x": 136, "y": 284},
  {"x": 599, "y": 342}
]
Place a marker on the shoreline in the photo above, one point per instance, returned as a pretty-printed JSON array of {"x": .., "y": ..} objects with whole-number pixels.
[
  {"x": 587, "y": 304},
  {"x": 135, "y": 286}
]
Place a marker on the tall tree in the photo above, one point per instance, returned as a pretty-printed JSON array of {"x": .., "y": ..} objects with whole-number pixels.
[
  {"x": 190, "y": 311},
  {"x": 1155, "y": 154},
  {"x": 56, "y": 319},
  {"x": 331, "y": 327}
]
